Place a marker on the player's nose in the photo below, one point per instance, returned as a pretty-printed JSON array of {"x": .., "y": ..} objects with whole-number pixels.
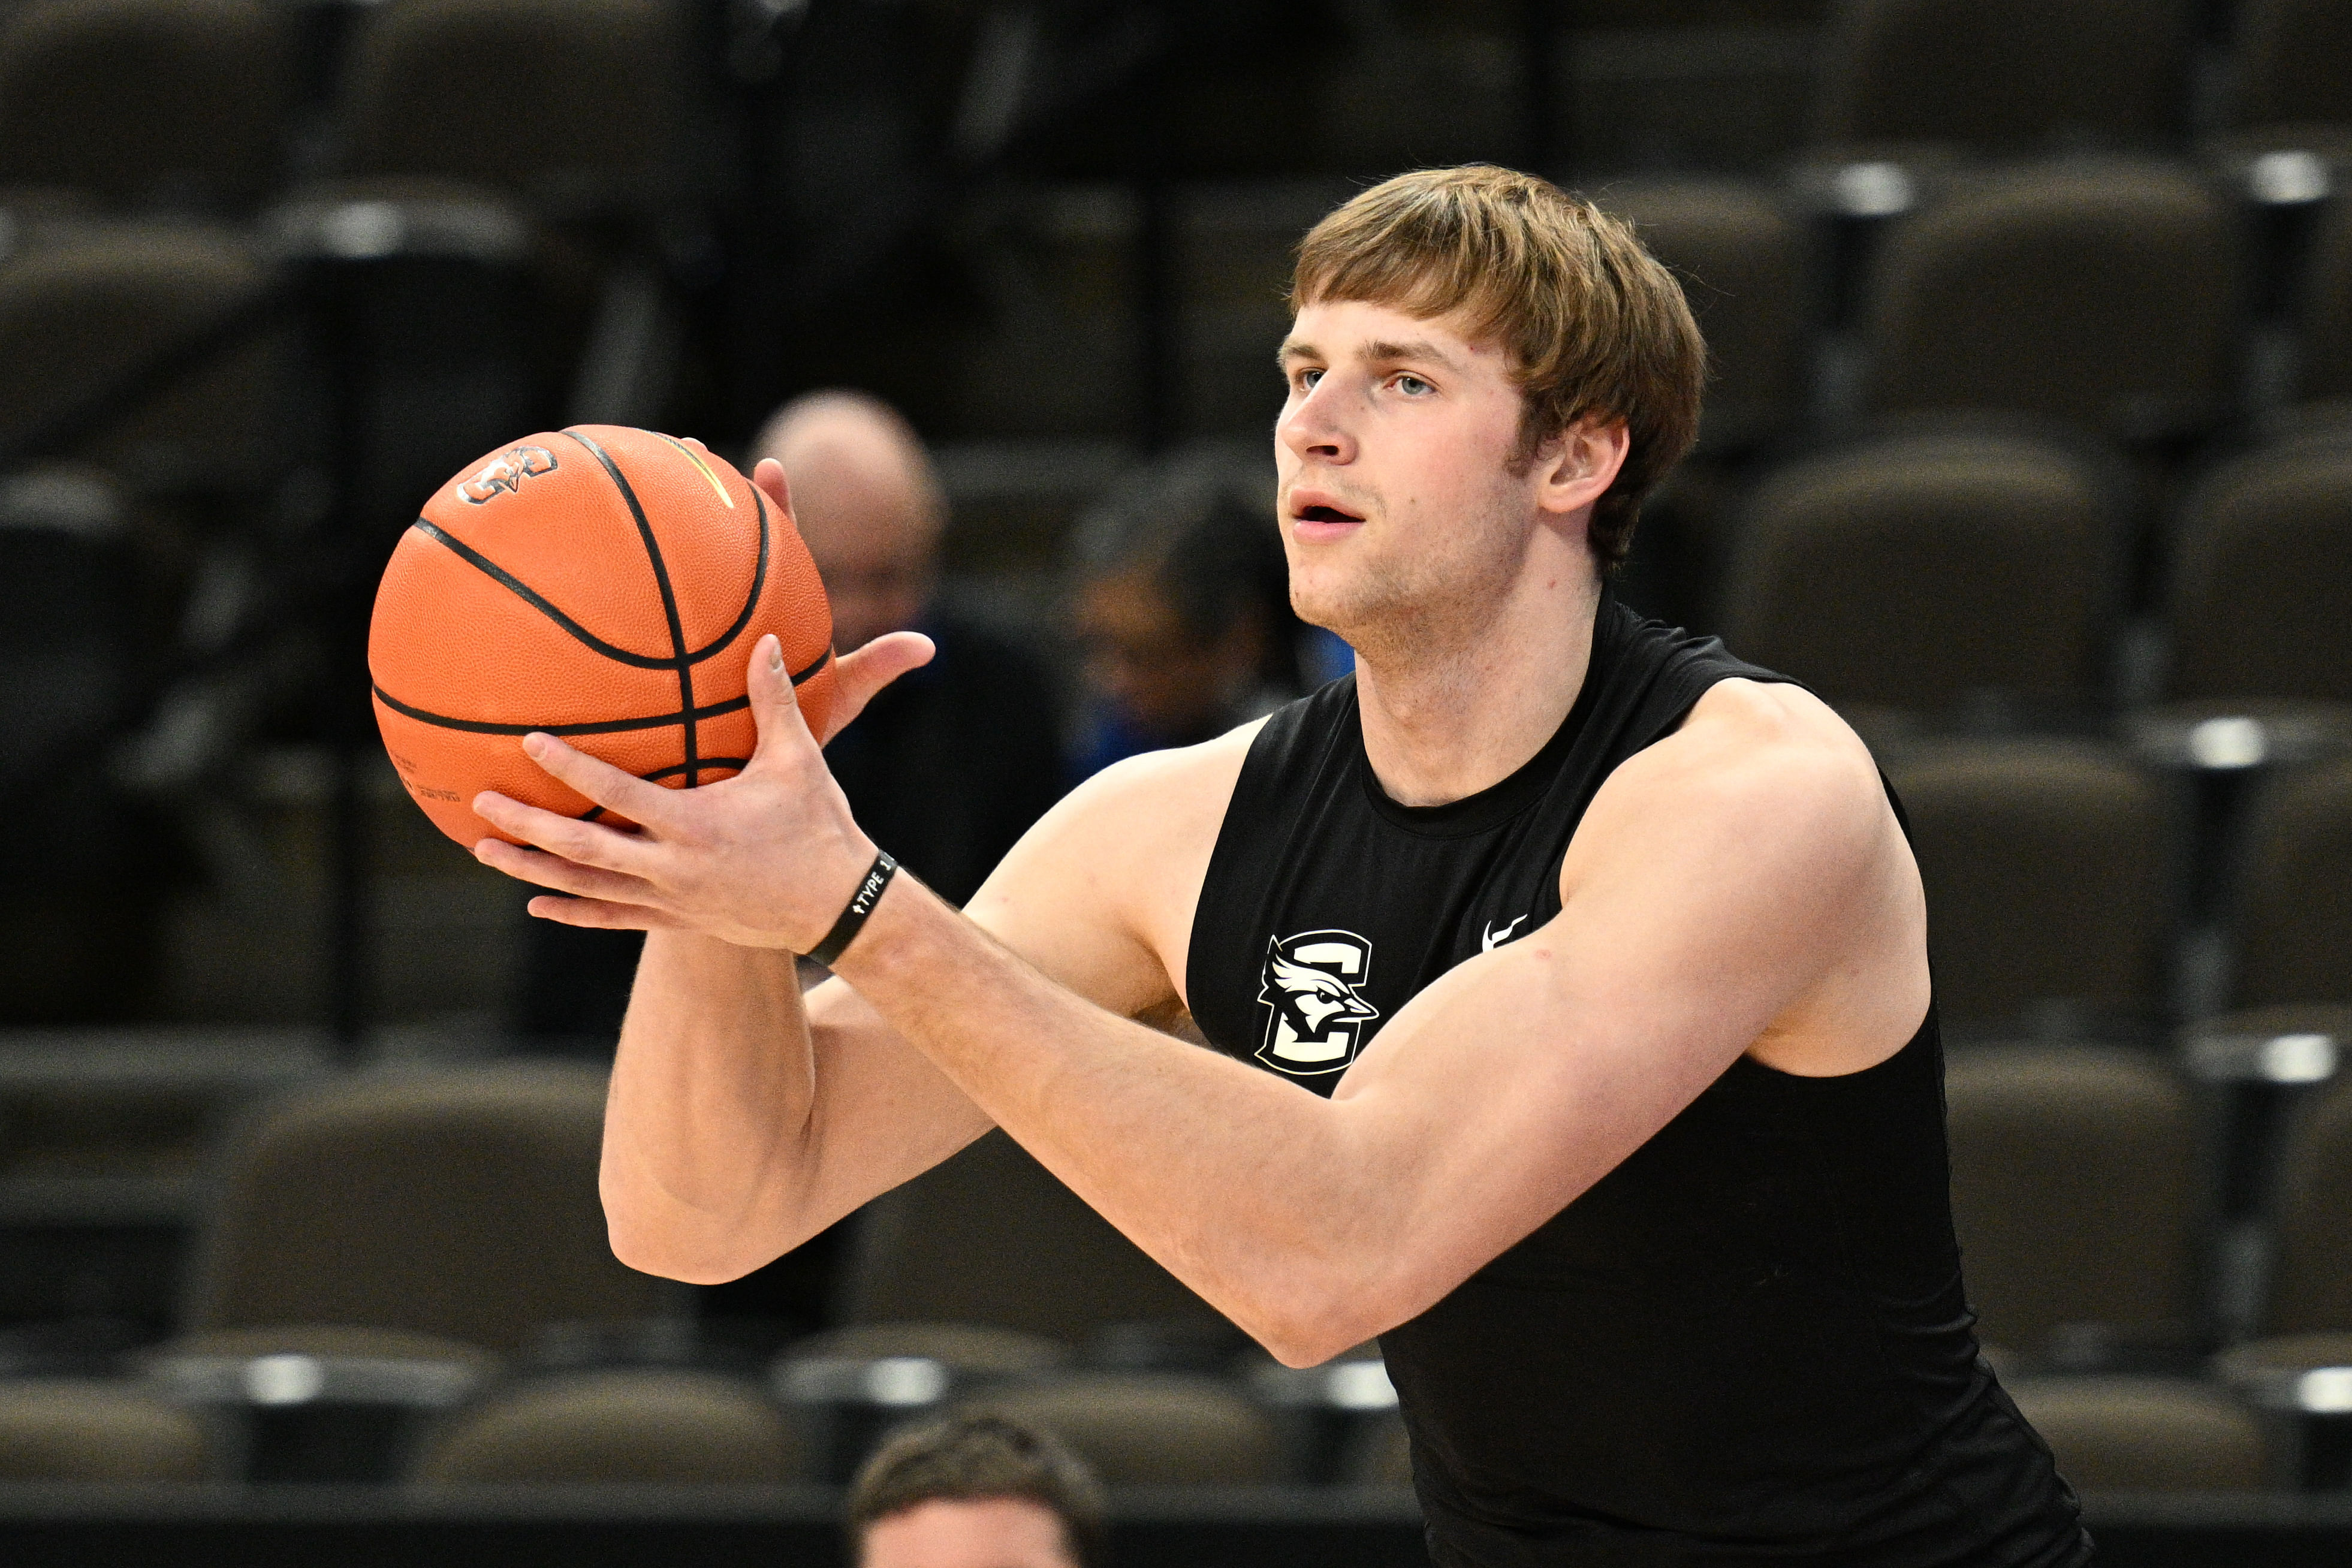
[{"x": 1311, "y": 425}]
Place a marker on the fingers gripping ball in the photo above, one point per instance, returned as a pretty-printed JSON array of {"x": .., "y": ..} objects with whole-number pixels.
[{"x": 600, "y": 584}]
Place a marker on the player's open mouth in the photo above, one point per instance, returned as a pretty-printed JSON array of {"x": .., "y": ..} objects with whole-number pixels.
[{"x": 1326, "y": 514}]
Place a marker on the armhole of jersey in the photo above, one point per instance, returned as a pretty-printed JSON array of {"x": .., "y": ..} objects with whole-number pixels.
[{"x": 1251, "y": 823}]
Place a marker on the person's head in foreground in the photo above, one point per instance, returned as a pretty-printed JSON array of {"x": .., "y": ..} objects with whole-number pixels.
[
  {"x": 1475, "y": 358},
  {"x": 975, "y": 1490},
  {"x": 867, "y": 505}
]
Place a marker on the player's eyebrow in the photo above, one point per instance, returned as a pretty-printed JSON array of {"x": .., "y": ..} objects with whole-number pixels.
[
  {"x": 1421, "y": 349},
  {"x": 1380, "y": 351}
]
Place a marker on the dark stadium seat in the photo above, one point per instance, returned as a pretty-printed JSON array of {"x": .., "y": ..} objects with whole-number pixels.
[
  {"x": 2324, "y": 324},
  {"x": 2300, "y": 1365},
  {"x": 2261, "y": 572},
  {"x": 455, "y": 1203},
  {"x": 2012, "y": 75},
  {"x": 964, "y": 1243},
  {"x": 143, "y": 347},
  {"x": 965, "y": 1348},
  {"x": 619, "y": 1427},
  {"x": 2048, "y": 869},
  {"x": 572, "y": 106},
  {"x": 76, "y": 936},
  {"x": 2310, "y": 1287},
  {"x": 1051, "y": 353},
  {"x": 2103, "y": 292},
  {"x": 1925, "y": 570},
  {"x": 81, "y": 1429},
  {"x": 2147, "y": 1434},
  {"x": 1146, "y": 1429},
  {"x": 2292, "y": 915},
  {"x": 179, "y": 103},
  {"x": 1385, "y": 1458},
  {"x": 1741, "y": 260},
  {"x": 2076, "y": 1194},
  {"x": 2291, "y": 67}
]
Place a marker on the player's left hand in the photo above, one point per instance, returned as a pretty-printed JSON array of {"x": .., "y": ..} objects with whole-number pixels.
[{"x": 766, "y": 858}]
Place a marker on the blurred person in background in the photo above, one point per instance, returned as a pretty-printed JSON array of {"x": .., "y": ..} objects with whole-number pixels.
[
  {"x": 959, "y": 757},
  {"x": 975, "y": 1492},
  {"x": 1181, "y": 609}
]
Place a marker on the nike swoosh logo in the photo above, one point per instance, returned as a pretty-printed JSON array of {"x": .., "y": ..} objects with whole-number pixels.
[{"x": 1495, "y": 938}]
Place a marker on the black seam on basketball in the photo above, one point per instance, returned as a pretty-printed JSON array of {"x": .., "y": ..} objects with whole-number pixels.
[
  {"x": 759, "y": 584},
  {"x": 615, "y": 727},
  {"x": 528, "y": 596},
  {"x": 523, "y": 591},
  {"x": 738, "y": 764},
  {"x": 603, "y": 727},
  {"x": 668, "y": 598}
]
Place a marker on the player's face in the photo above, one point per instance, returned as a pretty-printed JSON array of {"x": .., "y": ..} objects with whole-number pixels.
[{"x": 1394, "y": 452}]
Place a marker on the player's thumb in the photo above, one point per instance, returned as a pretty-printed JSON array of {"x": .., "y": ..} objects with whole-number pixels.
[{"x": 775, "y": 704}]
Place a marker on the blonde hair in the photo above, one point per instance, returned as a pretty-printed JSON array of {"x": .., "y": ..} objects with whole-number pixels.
[{"x": 1592, "y": 324}]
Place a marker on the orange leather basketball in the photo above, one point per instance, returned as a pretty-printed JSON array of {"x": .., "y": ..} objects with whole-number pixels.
[{"x": 601, "y": 583}]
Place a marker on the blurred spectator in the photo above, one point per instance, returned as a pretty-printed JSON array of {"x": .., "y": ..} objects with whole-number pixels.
[
  {"x": 952, "y": 763},
  {"x": 975, "y": 1492},
  {"x": 1182, "y": 608}
]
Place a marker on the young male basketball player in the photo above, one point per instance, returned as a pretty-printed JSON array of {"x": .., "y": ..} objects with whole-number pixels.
[{"x": 1566, "y": 976}]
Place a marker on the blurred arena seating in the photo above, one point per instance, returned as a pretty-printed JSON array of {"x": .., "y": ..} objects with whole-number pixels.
[{"x": 2029, "y": 447}]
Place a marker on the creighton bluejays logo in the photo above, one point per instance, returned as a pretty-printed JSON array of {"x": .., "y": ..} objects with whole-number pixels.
[
  {"x": 1314, "y": 1020},
  {"x": 504, "y": 473}
]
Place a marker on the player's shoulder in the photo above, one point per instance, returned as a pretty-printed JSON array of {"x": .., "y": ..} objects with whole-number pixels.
[{"x": 1753, "y": 752}]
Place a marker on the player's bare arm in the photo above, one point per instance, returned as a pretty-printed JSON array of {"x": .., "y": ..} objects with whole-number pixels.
[
  {"x": 1710, "y": 901},
  {"x": 745, "y": 1118}
]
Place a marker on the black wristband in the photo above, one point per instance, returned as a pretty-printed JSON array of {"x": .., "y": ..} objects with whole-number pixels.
[{"x": 853, "y": 915}]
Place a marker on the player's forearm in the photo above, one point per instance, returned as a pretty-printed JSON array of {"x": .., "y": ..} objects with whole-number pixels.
[
  {"x": 705, "y": 1130},
  {"x": 1261, "y": 1198}
]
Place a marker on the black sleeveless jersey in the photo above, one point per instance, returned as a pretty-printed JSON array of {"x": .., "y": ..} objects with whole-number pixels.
[{"x": 1746, "y": 1345}]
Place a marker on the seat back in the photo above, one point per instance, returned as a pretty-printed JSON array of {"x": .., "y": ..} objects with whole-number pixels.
[
  {"x": 1151, "y": 1430},
  {"x": 2146, "y": 1434},
  {"x": 2047, "y": 874},
  {"x": 458, "y": 1203},
  {"x": 2076, "y": 1192},
  {"x": 2262, "y": 573},
  {"x": 1741, "y": 262},
  {"x": 568, "y": 103},
  {"x": 990, "y": 1237},
  {"x": 2294, "y": 60},
  {"x": 81, "y": 1429},
  {"x": 2323, "y": 327},
  {"x": 2105, "y": 293},
  {"x": 617, "y": 1427},
  {"x": 141, "y": 321},
  {"x": 178, "y": 102},
  {"x": 2293, "y": 899},
  {"x": 2311, "y": 1268},
  {"x": 2005, "y": 74},
  {"x": 1917, "y": 572}
]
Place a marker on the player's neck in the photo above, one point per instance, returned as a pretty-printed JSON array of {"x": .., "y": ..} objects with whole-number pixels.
[{"x": 1462, "y": 713}]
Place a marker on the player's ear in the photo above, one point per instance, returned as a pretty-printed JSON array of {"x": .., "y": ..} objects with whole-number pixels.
[{"x": 1576, "y": 467}]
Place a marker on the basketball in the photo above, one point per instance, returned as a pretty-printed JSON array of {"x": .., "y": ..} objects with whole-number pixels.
[{"x": 601, "y": 583}]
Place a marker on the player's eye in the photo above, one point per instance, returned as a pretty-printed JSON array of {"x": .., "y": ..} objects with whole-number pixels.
[
  {"x": 1413, "y": 385},
  {"x": 1306, "y": 379}
]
